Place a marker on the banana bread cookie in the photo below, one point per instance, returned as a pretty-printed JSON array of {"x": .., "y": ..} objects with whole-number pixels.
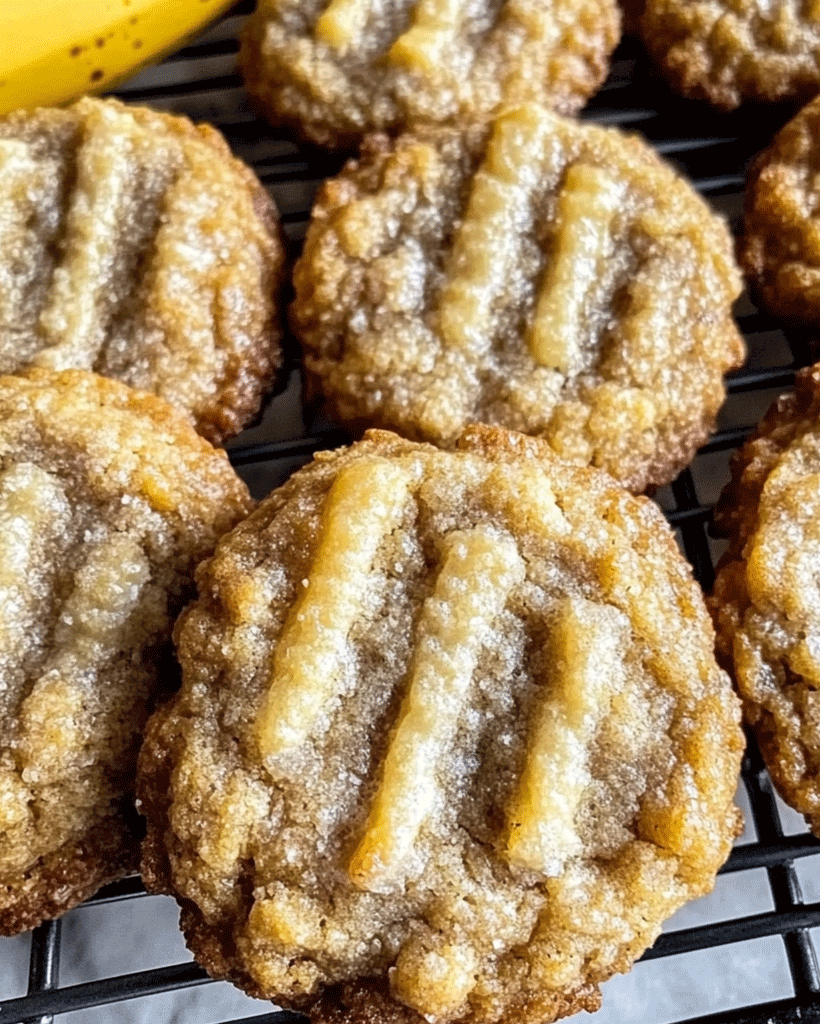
[
  {"x": 336, "y": 69},
  {"x": 108, "y": 500},
  {"x": 728, "y": 51},
  {"x": 539, "y": 274},
  {"x": 766, "y": 601},
  {"x": 451, "y": 735},
  {"x": 780, "y": 246},
  {"x": 135, "y": 245}
]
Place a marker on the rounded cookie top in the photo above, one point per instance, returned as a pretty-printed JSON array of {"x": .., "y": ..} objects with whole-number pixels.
[
  {"x": 766, "y": 601},
  {"x": 448, "y": 718},
  {"x": 780, "y": 246},
  {"x": 338, "y": 69},
  {"x": 108, "y": 500},
  {"x": 728, "y": 51},
  {"x": 540, "y": 274},
  {"x": 135, "y": 245}
]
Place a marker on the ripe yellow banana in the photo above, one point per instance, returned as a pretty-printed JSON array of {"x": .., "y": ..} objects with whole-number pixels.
[{"x": 55, "y": 50}]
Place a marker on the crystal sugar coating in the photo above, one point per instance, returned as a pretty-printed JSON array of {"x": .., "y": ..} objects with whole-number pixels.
[
  {"x": 133, "y": 244},
  {"x": 780, "y": 246},
  {"x": 539, "y": 274},
  {"x": 766, "y": 602},
  {"x": 728, "y": 51},
  {"x": 337, "y": 69},
  {"x": 518, "y": 759},
  {"x": 108, "y": 499}
]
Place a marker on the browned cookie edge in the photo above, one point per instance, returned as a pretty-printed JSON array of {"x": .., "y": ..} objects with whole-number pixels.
[
  {"x": 735, "y": 518},
  {"x": 69, "y": 875}
]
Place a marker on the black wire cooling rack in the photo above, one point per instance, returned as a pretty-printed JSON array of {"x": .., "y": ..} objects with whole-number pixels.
[{"x": 713, "y": 150}]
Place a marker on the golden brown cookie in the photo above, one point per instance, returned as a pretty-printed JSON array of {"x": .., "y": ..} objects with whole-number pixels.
[
  {"x": 540, "y": 274},
  {"x": 133, "y": 244},
  {"x": 780, "y": 246},
  {"x": 451, "y": 741},
  {"x": 728, "y": 51},
  {"x": 108, "y": 500},
  {"x": 337, "y": 69},
  {"x": 766, "y": 602}
]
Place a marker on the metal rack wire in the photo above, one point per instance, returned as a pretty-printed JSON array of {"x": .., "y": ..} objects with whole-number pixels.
[{"x": 713, "y": 150}]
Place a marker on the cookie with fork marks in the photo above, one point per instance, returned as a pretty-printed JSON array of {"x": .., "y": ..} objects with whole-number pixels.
[
  {"x": 108, "y": 500},
  {"x": 451, "y": 741},
  {"x": 538, "y": 274},
  {"x": 337, "y": 69},
  {"x": 135, "y": 245}
]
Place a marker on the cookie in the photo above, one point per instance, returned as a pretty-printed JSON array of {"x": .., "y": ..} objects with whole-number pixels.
[
  {"x": 135, "y": 245},
  {"x": 539, "y": 274},
  {"x": 337, "y": 69},
  {"x": 451, "y": 741},
  {"x": 108, "y": 500},
  {"x": 730, "y": 51},
  {"x": 765, "y": 601},
  {"x": 780, "y": 246}
]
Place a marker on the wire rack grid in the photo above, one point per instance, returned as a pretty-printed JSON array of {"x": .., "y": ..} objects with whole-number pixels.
[{"x": 713, "y": 150}]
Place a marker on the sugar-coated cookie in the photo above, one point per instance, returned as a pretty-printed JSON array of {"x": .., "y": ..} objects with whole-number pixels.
[
  {"x": 337, "y": 69},
  {"x": 766, "y": 600},
  {"x": 108, "y": 500},
  {"x": 451, "y": 741},
  {"x": 780, "y": 246},
  {"x": 135, "y": 245},
  {"x": 540, "y": 274},
  {"x": 728, "y": 51}
]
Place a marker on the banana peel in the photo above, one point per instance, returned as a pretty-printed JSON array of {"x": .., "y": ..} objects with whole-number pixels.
[{"x": 57, "y": 50}]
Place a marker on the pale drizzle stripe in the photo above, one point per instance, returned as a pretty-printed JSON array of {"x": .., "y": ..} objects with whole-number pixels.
[
  {"x": 365, "y": 503},
  {"x": 499, "y": 211},
  {"x": 587, "y": 206},
  {"x": 587, "y": 655},
  {"x": 480, "y": 569},
  {"x": 75, "y": 317},
  {"x": 33, "y": 509}
]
